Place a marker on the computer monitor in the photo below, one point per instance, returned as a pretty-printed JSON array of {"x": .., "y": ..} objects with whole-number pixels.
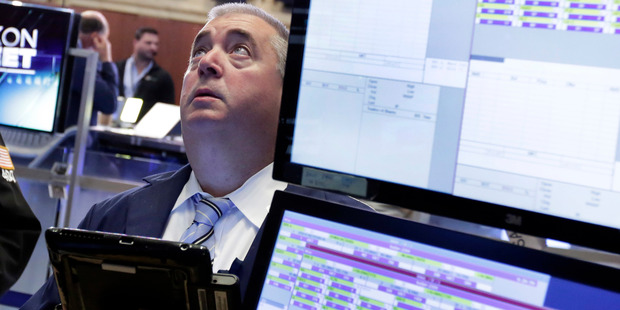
[
  {"x": 130, "y": 111},
  {"x": 321, "y": 255},
  {"x": 499, "y": 112},
  {"x": 34, "y": 41}
]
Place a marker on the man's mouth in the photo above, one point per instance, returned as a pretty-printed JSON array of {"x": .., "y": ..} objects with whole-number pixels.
[{"x": 205, "y": 92}]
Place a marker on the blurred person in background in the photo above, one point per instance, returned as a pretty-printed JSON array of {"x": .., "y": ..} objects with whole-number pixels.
[
  {"x": 141, "y": 77},
  {"x": 93, "y": 35}
]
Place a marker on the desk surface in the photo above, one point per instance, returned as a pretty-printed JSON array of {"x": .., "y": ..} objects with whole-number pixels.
[
  {"x": 174, "y": 144},
  {"x": 168, "y": 148}
]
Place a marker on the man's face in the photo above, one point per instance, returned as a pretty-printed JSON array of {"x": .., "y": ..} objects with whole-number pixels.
[
  {"x": 146, "y": 47},
  {"x": 232, "y": 82}
]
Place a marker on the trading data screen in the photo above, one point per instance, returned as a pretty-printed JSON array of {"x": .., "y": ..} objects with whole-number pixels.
[{"x": 511, "y": 102}]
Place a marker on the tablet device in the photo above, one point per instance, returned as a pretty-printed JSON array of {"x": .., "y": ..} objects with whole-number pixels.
[
  {"x": 321, "y": 255},
  {"x": 101, "y": 270}
]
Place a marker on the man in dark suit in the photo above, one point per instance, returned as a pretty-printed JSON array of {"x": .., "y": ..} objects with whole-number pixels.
[
  {"x": 19, "y": 228},
  {"x": 93, "y": 34},
  {"x": 230, "y": 103},
  {"x": 141, "y": 77}
]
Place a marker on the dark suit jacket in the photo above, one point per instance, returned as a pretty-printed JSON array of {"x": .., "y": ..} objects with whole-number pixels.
[
  {"x": 155, "y": 86},
  {"x": 19, "y": 229},
  {"x": 104, "y": 97},
  {"x": 144, "y": 211}
]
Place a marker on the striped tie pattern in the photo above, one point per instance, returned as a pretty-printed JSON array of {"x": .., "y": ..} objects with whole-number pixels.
[{"x": 208, "y": 211}]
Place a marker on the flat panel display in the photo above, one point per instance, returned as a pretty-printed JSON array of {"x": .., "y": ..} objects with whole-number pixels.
[
  {"x": 320, "y": 255},
  {"x": 33, "y": 49},
  {"x": 501, "y": 112}
]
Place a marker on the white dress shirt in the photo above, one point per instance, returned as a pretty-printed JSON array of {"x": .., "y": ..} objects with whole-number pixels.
[
  {"x": 235, "y": 231},
  {"x": 131, "y": 77}
]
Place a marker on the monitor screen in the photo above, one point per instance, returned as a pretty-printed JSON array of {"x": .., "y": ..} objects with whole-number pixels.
[
  {"x": 500, "y": 112},
  {"x": 33, "y": 49},
  {"x": 339, "y": 265},
  {"x": 354, "y": 259}
]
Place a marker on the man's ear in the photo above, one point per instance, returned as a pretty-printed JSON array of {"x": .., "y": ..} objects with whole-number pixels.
[{"x": 87, "y": 39}]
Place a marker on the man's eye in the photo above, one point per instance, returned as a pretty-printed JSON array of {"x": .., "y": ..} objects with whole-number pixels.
[
  {"x": 241, "y": 50},
  {"x": 199, "y": 52}
]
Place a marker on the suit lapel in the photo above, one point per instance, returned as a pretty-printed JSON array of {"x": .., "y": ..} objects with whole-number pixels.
[{"x": 149, "y": 209}]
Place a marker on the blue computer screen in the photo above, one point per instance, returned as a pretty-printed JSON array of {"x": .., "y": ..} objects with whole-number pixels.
[{"x": 33, "y": 45}]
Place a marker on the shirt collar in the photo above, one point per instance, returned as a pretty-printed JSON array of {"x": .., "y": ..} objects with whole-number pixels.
[
  {"x": 253, "y": 198},
  {"x": 131, "y": 63}
]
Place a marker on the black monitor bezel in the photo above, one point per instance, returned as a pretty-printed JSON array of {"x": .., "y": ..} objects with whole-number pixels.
[
  {"x": 584, "y": 234},
  {"x": 67, "y": 77}
]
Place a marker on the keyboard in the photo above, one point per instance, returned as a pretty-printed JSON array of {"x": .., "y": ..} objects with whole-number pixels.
[
  {"x": 26, "y": 143},
  {"x": 25, "y": 138}
]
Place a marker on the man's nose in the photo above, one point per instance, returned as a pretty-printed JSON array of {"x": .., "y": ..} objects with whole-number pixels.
[{"x": 210, "y": 63}]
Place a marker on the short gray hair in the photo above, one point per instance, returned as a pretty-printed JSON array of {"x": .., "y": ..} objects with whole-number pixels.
[{"x": 279, "y": 42}]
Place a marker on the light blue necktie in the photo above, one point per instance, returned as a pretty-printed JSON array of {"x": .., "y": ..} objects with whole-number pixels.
[{"x": 208, "y": 211}]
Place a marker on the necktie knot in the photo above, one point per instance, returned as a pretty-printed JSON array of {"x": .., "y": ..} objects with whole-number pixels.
[{"x": 208, "y": 211}]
